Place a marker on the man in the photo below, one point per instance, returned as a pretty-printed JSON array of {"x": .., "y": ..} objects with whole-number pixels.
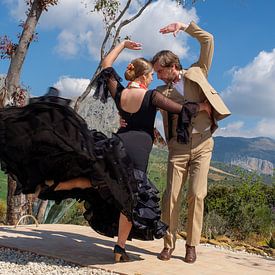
[{"x": 194, "y": 156}]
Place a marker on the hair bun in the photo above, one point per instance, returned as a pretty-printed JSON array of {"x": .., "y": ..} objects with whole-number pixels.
[{"x": 130, "y": 67}]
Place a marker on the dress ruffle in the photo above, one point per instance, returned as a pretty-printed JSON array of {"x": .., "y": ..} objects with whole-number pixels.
[
  {"x": 145, "y": 213},
  {"x": 47, "y": 140}
]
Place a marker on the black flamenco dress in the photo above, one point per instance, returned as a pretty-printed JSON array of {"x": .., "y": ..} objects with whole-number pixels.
[{"x": 47, "y": 140}]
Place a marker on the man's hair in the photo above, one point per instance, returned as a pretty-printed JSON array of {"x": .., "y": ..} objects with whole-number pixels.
[{"x": 167, "y": 59}]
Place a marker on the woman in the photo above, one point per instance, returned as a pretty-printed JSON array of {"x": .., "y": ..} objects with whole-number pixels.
[{"x": 50, "y": 151}]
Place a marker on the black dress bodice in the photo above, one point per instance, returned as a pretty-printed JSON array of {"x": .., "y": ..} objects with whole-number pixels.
[{"x": 143, "y": 119}]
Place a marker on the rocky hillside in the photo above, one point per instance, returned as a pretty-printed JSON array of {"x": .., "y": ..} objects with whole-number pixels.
[
  {"x": 103, "y": 117},
  {"x": 256, "y": 154}
]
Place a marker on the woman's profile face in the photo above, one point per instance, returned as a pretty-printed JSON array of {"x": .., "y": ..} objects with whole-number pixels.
[{"x": 149, "y": 78}]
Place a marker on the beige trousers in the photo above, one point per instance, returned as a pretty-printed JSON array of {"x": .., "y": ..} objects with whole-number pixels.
[{"x": 193, "y": 158}]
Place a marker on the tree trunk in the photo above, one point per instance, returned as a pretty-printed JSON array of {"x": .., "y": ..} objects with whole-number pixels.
[
  {"x": 19, "y": 205},
  {"x": 41, "y": 211},
  {"x": 17, "y": 60}
]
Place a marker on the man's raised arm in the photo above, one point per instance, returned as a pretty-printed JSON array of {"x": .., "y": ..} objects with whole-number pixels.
[{"x": 205, "y": 39}]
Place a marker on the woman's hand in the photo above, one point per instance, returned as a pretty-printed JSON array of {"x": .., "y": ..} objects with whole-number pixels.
[
  {"x": 122, "y": 122},
  {"x": 112, "y": 56},
  {"x": 132, "y": 45},
  {"x": 205, "y": 106}
]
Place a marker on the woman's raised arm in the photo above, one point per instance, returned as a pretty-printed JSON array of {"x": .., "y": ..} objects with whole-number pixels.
[{"x": 110, "y": 58}]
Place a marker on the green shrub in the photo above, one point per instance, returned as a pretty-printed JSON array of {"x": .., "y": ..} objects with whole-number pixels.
[
  {"x": 214, "y": 225},
  {"x": 244, "y": 209},
  {"x": 74, "y": 215},
  {"x": 271, "y": 242},
  {"x": 3, "y": 186}
]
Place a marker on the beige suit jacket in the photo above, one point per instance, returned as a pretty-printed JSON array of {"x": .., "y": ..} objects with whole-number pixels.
[{"x": 196, "y": 87}]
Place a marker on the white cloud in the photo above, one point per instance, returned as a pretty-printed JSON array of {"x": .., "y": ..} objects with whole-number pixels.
[
  {"x": 252, "y": 92},
  {"x": 80, "y": 31},
  {"x": 17, "y": 8},
  {"x": 266, "y": 128},
  {"x": 234, "y": 129},
  {"x": 71, "y": 87},
  {"x": 252, "y": 95},
  {"x": 263, "y": 128},
  {"x": 69, "y": 45}
]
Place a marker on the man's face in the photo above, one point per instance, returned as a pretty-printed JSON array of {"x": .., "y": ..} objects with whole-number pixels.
[{"x": 166, "y": 74}]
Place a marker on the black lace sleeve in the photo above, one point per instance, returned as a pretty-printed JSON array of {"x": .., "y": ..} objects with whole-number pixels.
[
  {"x": 107, "y": 83},
  {"x": 164, "y": 103},
  {"x": 185, "y": 112}
]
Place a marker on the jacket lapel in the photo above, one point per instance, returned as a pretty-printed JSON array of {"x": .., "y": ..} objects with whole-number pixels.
[{"x": 195, "y": 74}]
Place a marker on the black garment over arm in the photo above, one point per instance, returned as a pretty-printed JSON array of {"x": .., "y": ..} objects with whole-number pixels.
[
  {"x": 185, "y": 111},
  {"x": 108, "y": 83},
  {"x": 166, "y": 104}
]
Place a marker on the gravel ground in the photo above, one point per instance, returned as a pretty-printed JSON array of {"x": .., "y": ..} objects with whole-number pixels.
[{"x": 22, "y": 263}]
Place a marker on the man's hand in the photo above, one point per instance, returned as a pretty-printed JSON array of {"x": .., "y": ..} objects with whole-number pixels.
[{"x": 174, "y": 28}]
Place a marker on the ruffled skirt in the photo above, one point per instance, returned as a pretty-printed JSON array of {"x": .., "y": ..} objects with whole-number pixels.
[{"x": 47, "y": 140}]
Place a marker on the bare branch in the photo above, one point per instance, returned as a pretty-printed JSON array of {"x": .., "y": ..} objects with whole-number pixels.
[
  {"x": 108, "y": 32},
  {"x": 128, "y": 21},
  {"x": 87, "y": 90}
]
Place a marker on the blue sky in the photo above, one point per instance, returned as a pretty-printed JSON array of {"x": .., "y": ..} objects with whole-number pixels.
[{"x": 243, "y": 68}]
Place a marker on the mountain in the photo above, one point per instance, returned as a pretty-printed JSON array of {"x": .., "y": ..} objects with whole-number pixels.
[
  {"x": 231, "y": 154},
  {"x": 256, "y": 154}
]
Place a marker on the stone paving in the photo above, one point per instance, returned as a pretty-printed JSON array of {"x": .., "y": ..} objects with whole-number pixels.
[{"x": 81, "y": 245}]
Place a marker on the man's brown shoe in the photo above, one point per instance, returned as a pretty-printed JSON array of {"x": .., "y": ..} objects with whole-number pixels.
[
  {"x": 190, "y": 256},
  {"x": 165, "y": 254}
]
